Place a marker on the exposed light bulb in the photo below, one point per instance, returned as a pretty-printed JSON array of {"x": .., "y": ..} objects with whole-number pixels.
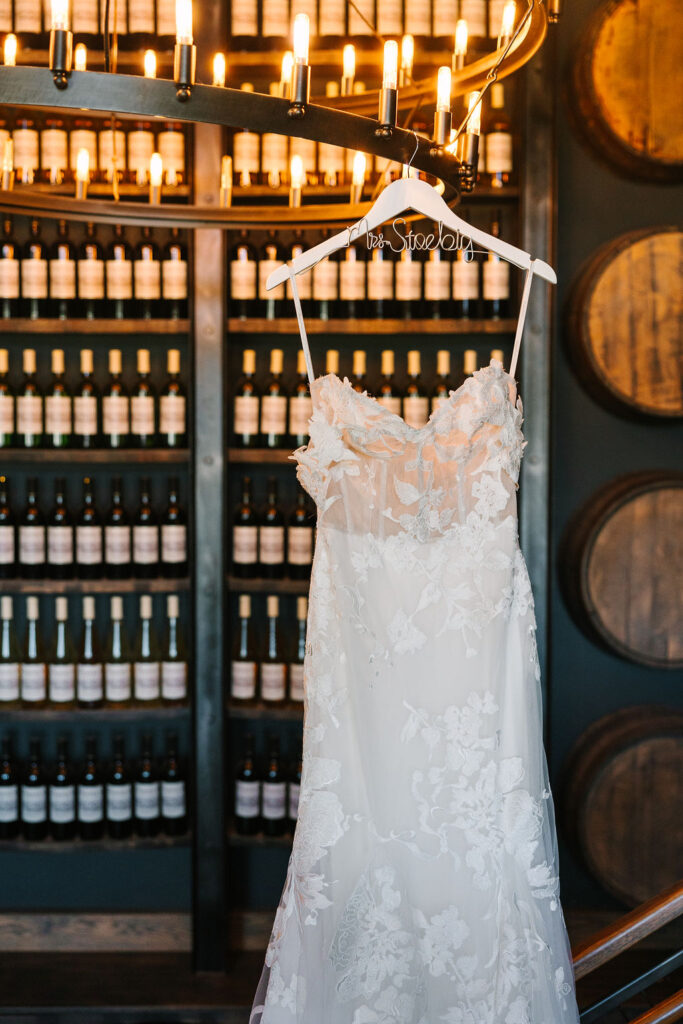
[
  {"x": 296, "y": 171},
  {"x": 10, "y": 50},
  {"x": 461, "y": 36},
  {"x": 286, "y": 68},
  {"x": 80, "y": 57},
  {"x": 183, "y": 22},
  {"x": 301, "y": 34},
  {"x": 507, "y": 23},
  {"x": 358, "y": 174},
  {"x": 390, "y": 72},
  {"x": 220, "y": 68},
  {"x": 474, "y": 110},
  {"x": 349, "y": 60},
  {"x": 149, "y": 63},
  {"x": 83, "y": 165},
  {"x": 225, "y": 197},
  {"x": 156, "y": 170},
  {"x": 443, "y": 89},
  {"x": 60, "y": 15},
  {"x": 407, "y": 52}
]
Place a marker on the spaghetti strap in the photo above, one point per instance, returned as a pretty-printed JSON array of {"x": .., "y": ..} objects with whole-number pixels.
[
  {"x": 302, "y": 328},
  {"x": 522, "y": 317}
]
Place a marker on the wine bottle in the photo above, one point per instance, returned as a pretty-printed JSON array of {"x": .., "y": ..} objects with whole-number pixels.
[
  {"x": 475, "y": 14},
  {"x": 34, "y": 795},
  {"x": 33, "y": 668},
  {"x": 244, "y": 663},
  {"x": 437, "y": 283},
  {"x": 465, "y": 286},
  {"x": 142, "y": 414},
  {"x": 9, "y": 273},
  {"x": 34, "y": 287},
  {"x": 9, "y": 791},
  {"x": 408, "y": 283},
  {"x": 61, "y": 666},
  {"x": 174, "y": 276},
  {"x": 174, "y": 657},
  {"x": 498, "y": 140},
  {"x": 300, "y": 404},
  {"x": 245, "y": 151},
  {"x": 296, "y": 665},
  {"x": 172, "y": 405},
  {"x": 90, "y": 794},
  {"x": 10, "y": 656},
  {"x": 390, "y": 17},
  {"x": 245, "y": 535},
  {"x": 272, "y": 536},
  {"x": 118, "y": 666},
  {"x": 54, "y": 152},
  {"x": 83, "y": 134},
  {"x": 117, "y": 539},
  {"x": 88, "y": 536},
  {"x": 119, "y": 274},
  {"x": 415, "y": 400},
  {"x": 243, "y": 278},
  {"x": 325, "y": 285},
  {"x": 497, "y": 353},
  {"x": 146, "y": 658},
  {"x": 304, "y": 284},
  {"x": 119, "y": 794},
  {"x": 273, "y": 663},
  {"x": 246, "y": 404},
  {"x": 173, "y": 791},
  {"x": 6, "y": 402},
  {"x": 62, "y": 270},
  {"x": 62, "y": 795},
  {"x": 388, "y": 394},
  {"x": 469, "y": 363},
  {"x": 32, "y": 535},
  {"x": 380, "y": 283},
  {"x": 89, "y": 673},
  {"x": 174, "y": 535},
  {"x": 247, "y": 792},
  {"x": 86, "y": 426},
  {"x": 91, "y": 275},
  {"x": 300, "y": 540},
  {"x": 141, "y": 142},
  {"x": 145, "y": 536},
  {"x": 57, "y": 405},
  {"x": 274, "y": 405},
  {"x": 352, "y": 283},
  {"x": 115, "y": 406},
  {"x": 29, "y": 405},
  {"x": 275, "y": 19},
  {"x": 146, "y": 792},
  {"x": 270, "y": 258},
  {"x": 8, "y": 558},
  {"x": 171, "y": 147},
  {"x": 442, "y": 388},
  {"x": 147, "y": 275},
  {"x": 274, "y": 792},
  {"x": 332, "y": 362},
  {"x": 496, "y": 281}
]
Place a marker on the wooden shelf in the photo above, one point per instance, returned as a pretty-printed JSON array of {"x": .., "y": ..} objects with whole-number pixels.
[
  {"x": 102, "y": 715},
  {"x": 288, "y": 711},
  {"x": 158, "y": 585},
  {"x": 259, "y": 585},
  {"x": 51, "y": 325},
  {"x": 273, "y": 455},
  {"x": 161, "y": 842},
  {"x": 235, "y": 839},
  {"x": 288, "y": 325},
  {"x": 246, "y": 195},
  {"x": 96, "y": 455}
]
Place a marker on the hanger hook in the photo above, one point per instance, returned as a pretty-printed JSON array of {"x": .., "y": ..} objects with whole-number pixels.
[{"x": 417, "y": 146}]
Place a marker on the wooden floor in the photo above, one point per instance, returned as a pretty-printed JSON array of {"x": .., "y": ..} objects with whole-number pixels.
[{"x": 52, "y": 988}]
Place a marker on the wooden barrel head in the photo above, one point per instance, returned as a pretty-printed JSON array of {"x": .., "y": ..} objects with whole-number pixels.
[
  {"x": 626, "y": 99},
  {"x": 622, "y": 568}
]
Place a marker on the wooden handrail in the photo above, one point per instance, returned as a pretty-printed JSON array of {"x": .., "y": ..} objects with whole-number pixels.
[
  {"x": 666, "y": 1012},
  {"x": 646, "y": 918}
]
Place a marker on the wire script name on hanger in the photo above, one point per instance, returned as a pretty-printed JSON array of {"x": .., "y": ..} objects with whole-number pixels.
[{"x": 415, "y": 241}]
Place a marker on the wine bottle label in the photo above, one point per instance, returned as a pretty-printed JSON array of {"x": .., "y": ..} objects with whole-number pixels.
[
  {"x": 33, "y": 804},
  {"x": 89, "y": 683},
  {"x": 293, "y": 806},
  {"x": 33, "y": 676},
  {"x": 303, "y": 287},
  {"x": 173, "y": 543},
  {"x": 332, "y": 15},
  {"x": 296, "y": 681},
  {"x": 141, "y": 16},
  {"x": 9, "y": 804},
  {"x": 119, "y": 279},
  {"x": 60, "y": 545},
  {"x": 351, "y": 280},
  {"x": 118, "y": 681},
  {"x": 306, "y": 148},
  {"x": 146, "y": 800},
  {"x": 61, "y": 683},
  {"x": 57, "y": 414},
  {"x": 147, "y": 277},
  {"x": 54, "y": 149},
  {"x": 265, "y": 269},
  {"x": 437, "y": 281},
  {"x": 247, "y": 798},
  {"x": 26, "y": 147},
  {"x": 243, "y": 279},
  {"x": 498, "y": 153},
  {"x": 117, "y": 545},
  {"x": 63, "y": 279},
  {"x": 115, "y": 414},
  {"x": 275, "y": 20},
  {"x": 172, "y": 144},
  {"x": 147, "y": 680},
  {"x": 245, "y": 152},
  {"x": 274, "y": 800},
  {"x": 9, "y": 278},
  {"x": 274, "y": 414},
  {"x": 445, "y": 13},
  {"x": 391, "y": 402},
  {"x": 6, "y": 414},
  {"x": 272, "y": 544},
  {"x": 273, "y": 681},
  {"x": 300, "y": 412},
  {"x": 380, "y": 280},
  {"x": 31, "y": 545},
  {"x": 62, "y": 804},
  {"x": 496, "y": 282},
  {"x": 273, "y": 152},
  {"x": 418, "y": 21},
  {"x": 34, "y": 278},
  {"x": 84, "y": 17},
  {"x": 415, "y": 411},
  {"x": 474, "y": 13},
  {"x": 361, "y": 26},
  {"x": 243, "y": 680},
  {"x": 142, "y": 415},
  {"x": 390, "y": 17},
  {"x": 85, "y": 415},
  {"x": 325, "y": 281},
  {"x": 246, "y": 414},
  {"x": 495, "y": 16},
  {"x": 173, "y": 799},
  {"x": 174, "y": 279},
  {"x": 330, "y": 159},
  {"x": 26, "y": 16},
  {"x": 245, "y": 544},
  {"x": 408, "y": 280},
  {"x": 172, "y": 414},
  {"x": 91, "y": 803},
  {"x": 244, "y": 18},
  {"x": 89, "y": 545},
  {"x": 9, "y": 681},
  {"x": 465, "y": 280},
  {"x": 300, "y": 545},
  {"x": 173, "y": 680},
  {"x": 29, "y": 414},
  {"x": 119, "y": 801},
  {"x": 112, "y": 151},
  {"x": 91, "y": 279},
  {"x": 145, "y": 545},
  {"x": 166, "y": 25}
]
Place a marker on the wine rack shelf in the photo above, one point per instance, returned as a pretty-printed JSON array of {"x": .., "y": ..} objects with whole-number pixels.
[
  {"x": 95, "y": 455},
  {"x": 288, "y": 325},
  {"x": 102, "y": 715},
  {"x": 286, "y": 711},
  {"x": 51, "y": 325},
  {"x": 262, "y": 586},
  {"x": 158, "y": 585},
  {"x": 340, "y": 193},
  {"x": 278, "y": 455},
  {"x": 91, "y": 845},
  {"x": 236, "y": 839}
]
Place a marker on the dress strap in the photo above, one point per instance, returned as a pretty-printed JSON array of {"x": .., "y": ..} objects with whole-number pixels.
[
  {"x": 302, "y": 328},
  {"x": 522, "y": 317}
]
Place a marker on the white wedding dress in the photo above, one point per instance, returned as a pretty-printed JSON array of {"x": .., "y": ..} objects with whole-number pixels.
[{"x": 423, "y": 882}]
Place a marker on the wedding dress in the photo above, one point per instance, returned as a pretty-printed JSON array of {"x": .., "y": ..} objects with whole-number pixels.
[{"x": 422, "y": 885}]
